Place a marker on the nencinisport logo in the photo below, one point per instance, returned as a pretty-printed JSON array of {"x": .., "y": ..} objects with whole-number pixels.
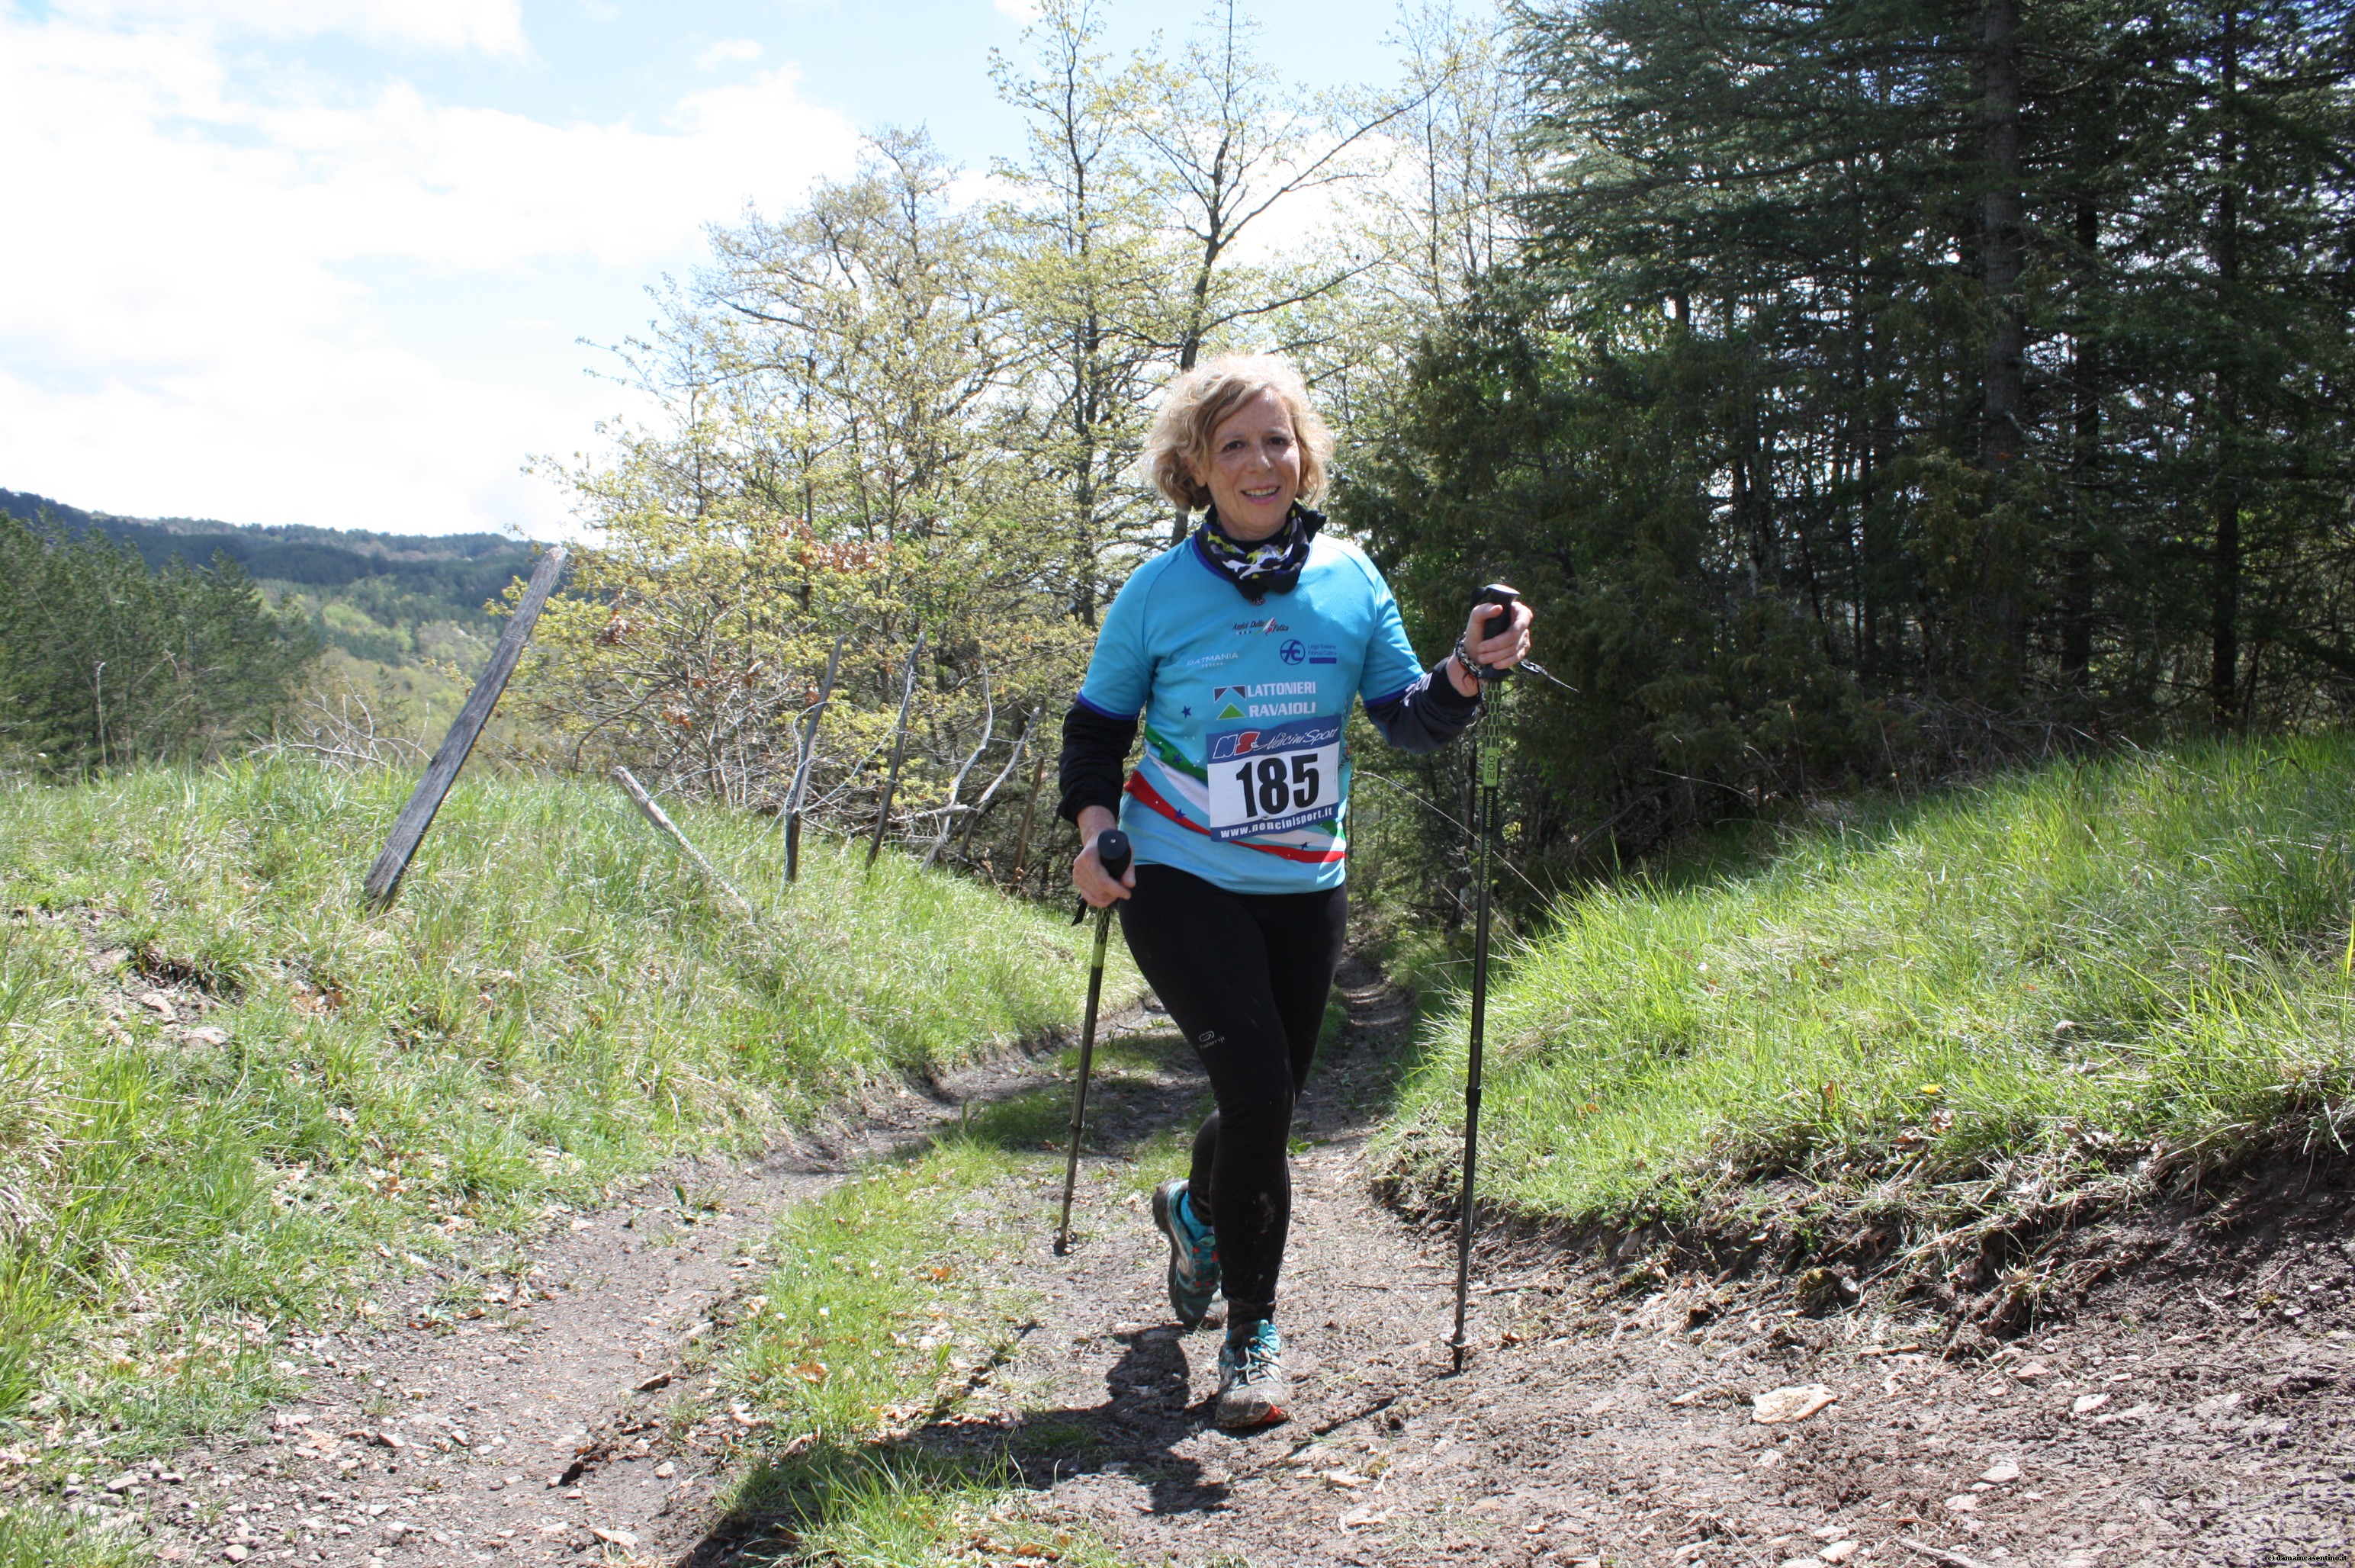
[{"x": 1284, "y": 737}]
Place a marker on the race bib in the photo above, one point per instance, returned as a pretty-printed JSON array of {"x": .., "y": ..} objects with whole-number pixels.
[{"x": 1276, "y": 779}]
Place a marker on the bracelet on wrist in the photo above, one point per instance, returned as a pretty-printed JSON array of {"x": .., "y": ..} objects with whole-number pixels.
[{"x": 1478, "y": 671}]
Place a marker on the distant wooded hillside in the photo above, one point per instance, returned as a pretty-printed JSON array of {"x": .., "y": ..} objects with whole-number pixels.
[{"x": 457, "y": 571}]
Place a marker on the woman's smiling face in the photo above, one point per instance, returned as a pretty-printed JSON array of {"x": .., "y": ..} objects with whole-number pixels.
[{"x": 1255, "y": 468}]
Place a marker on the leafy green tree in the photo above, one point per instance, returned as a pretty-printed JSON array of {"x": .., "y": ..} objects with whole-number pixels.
[{"x": 1087, "y": 269}]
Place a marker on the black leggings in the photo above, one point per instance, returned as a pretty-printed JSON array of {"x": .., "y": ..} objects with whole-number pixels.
[{"x": 1245, "y": 975}]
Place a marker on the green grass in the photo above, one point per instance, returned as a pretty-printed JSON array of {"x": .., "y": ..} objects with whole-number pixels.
[
  {"x": 882, "y": 1353},
  {"x": 2087, "y": 979},
  {"x": 554, "y": 1005}
]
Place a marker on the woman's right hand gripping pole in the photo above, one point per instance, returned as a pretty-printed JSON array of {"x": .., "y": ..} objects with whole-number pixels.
[{"x": 1088, "y": 873}]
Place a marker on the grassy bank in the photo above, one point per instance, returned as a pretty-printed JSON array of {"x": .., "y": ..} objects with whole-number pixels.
[
  {"x": 2092, "y": 977},
  {"x": 236, "y": 1101}
]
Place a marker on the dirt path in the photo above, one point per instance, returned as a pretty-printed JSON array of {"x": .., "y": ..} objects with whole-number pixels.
[
  {"x": 2191, "y": 1413},
  {"x": 2155, "y": 1428}
]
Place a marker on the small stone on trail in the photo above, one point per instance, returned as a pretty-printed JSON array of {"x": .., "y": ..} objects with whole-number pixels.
[
  {"x": 235, "y": 1553},
  {"x": 2085, "y": 1404},
  {"x": 1963, "y": 1504},
  {"x": 660, "y": 1380},
  {"x": 208, "y": 1035},
  {"x": 2002, "y": 1473},
  {"x": 621, "y": 1538},
  {"x": 665, "y": 1470},
  {"x": 1785, "y": 1405},
  {"x": 1838, "y": 1551},
  {"x": 2033, "y": 1371},
  {"x": 1803, "y": 1562}
]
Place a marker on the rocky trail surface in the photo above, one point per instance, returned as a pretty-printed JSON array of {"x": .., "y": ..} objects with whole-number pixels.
[{"x": 2194, "y": 1412}]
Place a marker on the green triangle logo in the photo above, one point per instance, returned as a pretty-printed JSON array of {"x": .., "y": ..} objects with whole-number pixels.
[{"x": 1230, "y": 711}]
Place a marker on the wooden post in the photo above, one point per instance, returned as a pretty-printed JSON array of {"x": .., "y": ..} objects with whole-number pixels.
[
  {"x": 409, "y": 828},
  {"x": 804, "y": 761},
  {"x": 948, "y": 812},
  {"x": 899, "y": 752},
  {"x": 669, "y": 829},
  {"x": 1030, "y": 814},
  {"x": 973, "y": 817}
]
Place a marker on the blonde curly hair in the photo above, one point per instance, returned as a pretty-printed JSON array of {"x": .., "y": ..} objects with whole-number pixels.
[{"x": 1177, "y": 447}]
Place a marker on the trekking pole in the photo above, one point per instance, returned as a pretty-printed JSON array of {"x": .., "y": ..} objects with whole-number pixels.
[
  {"x": 1112, "y": 852},
  {"x": 1487, "y": 762}
]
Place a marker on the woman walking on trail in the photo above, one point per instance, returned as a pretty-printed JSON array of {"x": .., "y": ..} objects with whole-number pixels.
[{"x": 1243, "y": 648}]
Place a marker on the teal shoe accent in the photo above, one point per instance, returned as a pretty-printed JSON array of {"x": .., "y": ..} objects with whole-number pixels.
[{"x": 1193, "y": 1254}]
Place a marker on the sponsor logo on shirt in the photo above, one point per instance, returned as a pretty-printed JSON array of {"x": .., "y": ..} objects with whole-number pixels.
[
  {"x": 1206, "y": 660},
  {"x": 1291, "y": 737},
  {"x": 1238, "y": 701},
  {"x": 1293, "y": 652},
  {"x": 1323, "y": 652},
  {"x": 1267, "y": 629}
]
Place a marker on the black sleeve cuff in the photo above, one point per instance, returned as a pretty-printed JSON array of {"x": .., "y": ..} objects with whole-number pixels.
[
  {"x": 1093, "y": 769},
  {"x": 1426, "y": 715},
  {"x": 1445, "y": 700}
]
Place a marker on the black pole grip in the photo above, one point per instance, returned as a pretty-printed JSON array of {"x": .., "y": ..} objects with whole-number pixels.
[
  {"x": 1503, "y": 597},
  {"x": 1113, "y": 853},
  {"x": 1112, "y": 849}
]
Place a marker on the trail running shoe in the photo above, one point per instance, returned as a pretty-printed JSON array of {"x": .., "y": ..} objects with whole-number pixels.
[
  {"x": 1252, "y": 1390},
  {"x": 1193, "y": 1253}
]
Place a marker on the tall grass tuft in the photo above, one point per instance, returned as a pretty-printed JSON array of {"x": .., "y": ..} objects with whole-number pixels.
[
  {"x": 553, "y": 1006},
  {"x": 2091, "y": 973}
]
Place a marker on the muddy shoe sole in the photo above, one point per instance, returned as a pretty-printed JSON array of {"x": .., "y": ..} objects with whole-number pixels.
[{"x": 1246, "y": 1408}]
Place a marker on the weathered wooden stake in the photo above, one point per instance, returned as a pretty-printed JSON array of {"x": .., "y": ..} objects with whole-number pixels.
[
  {"x": 948, "y": 812},
  {"x": 899, "y": 752},
  {"x": 802, "y": 764},
  {"x": 409, "y": 828},
  {"x": 669, "y": 829},
  {"x": 1030, "y": 814},
  {"x": 973, "y": 817}
]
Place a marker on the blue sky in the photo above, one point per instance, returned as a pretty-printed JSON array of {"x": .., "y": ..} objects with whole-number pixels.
[{"x": 329, "y": 260}]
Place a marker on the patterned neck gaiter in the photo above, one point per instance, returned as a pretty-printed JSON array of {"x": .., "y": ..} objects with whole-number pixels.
[{"x": 1272, "y": 565}]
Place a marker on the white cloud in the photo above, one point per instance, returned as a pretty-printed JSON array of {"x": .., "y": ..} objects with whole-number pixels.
[
  {"x": 729, "y": 51},
  {"x": 187, "y": 334},
  {"x": 490, "y": 26},
  {"x": 1023, "y": 11}
]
